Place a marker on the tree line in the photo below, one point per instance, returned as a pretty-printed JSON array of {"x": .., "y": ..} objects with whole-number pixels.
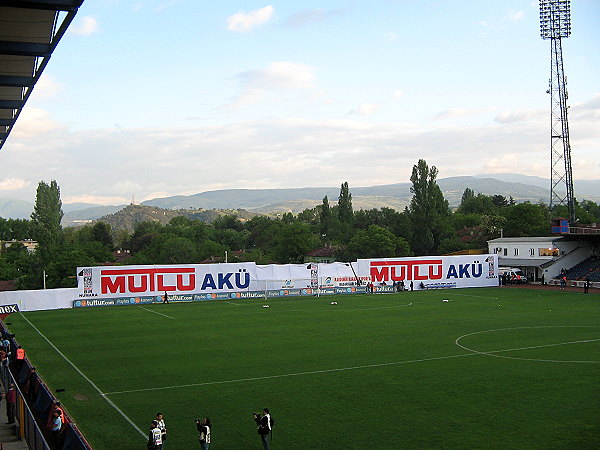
[{"x": 427, "y": 226}]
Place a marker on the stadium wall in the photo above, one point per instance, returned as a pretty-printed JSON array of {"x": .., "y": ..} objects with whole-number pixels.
[{"x": 126, "y": 285}]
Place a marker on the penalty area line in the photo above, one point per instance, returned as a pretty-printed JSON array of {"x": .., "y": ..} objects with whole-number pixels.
[{"x": 102, "y": 394}]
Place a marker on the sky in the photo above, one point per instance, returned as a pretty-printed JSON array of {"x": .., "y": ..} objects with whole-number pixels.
[{"x": 153, "y": 98}]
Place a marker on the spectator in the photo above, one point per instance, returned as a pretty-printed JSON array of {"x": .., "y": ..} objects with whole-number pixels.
[
  {"x": 20, "y": 358},
  {"x": 56, "y": 428},
  {"x": 11, "y": 402},
  {"x": 31, "y": 385}
]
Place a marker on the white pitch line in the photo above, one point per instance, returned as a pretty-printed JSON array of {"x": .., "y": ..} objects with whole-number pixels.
[
  {"x": 492, "y": 353},
  {"x": 160, "y": 314},
  {"x": 312, "y": 372},
  {"x": 236, "y": 304},
  {"x": 476, "y": 296},
  {"x": 367, "y": 366},
  {"x": 102, "y": 394}
]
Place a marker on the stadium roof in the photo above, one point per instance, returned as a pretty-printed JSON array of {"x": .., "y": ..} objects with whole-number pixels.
[{"x": 29, "y": 32}]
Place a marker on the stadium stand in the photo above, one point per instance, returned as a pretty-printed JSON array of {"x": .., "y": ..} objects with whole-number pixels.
[
  {"x": 34, "y": 404},
  {"x": 588, "y": 268}
]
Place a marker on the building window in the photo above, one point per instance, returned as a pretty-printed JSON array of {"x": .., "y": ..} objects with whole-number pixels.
[
  {"x": 505, "y": 252},
  {"x": 548, "y": 251},
  {"x": 531, "y": 252},
  {"x": 516, "y": 252}
]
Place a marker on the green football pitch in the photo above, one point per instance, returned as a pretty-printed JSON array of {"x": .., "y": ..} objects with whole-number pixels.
[{"x": 488, "y": 368}]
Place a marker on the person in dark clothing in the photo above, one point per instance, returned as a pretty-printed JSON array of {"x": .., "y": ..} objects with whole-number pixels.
[
  {"x": 11, "y": 403},
  {"x": 204, "y": 430},
  {"x": 166, "y": 298},
  {"x": 586, "y": 286},
  {"x": 263, "y": 426}
]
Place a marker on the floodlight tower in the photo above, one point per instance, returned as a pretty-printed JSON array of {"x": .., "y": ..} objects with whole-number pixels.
[{"x": 555, "y": 24}]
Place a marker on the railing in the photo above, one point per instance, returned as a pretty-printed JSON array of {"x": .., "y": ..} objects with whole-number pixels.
[
  {"x": 583, "y": 230},
  {"x": 32, "y": 412}
]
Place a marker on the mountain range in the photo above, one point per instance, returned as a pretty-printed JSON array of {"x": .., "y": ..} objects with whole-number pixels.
[{"x": 396, "y": 196}]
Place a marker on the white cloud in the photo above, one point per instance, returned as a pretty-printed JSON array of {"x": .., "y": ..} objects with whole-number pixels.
[
  {"x": 13, "y": 184},
  {"x": 280, "y": 75},
  {"x": 46, "y": 88},
  {"x": 259, "y": 85},
  {"x": 365, "y": 109},
  {"x": 114, "y": 165},
  {"x": 515, "y": 16},
  {"x": 397, "y": 94},
  {"x": 246, "y": 21},
  {"x": 459, "y": 113},
  {"x": 309, "y": 16},
  {"x": 85, "y": 26},
  {"x": 34, "y": 122}
]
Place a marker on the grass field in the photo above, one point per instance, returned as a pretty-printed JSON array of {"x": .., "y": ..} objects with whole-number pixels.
[{"x": 490, "y": 368}]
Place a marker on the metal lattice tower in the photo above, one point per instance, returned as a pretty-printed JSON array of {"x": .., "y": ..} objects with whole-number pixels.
[{"x": 555, "y": 24}]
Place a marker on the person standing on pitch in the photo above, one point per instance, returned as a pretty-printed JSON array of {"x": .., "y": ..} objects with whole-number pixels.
[
  {"x": 264, "y": 426},
  {"x": 586, "y": 286},
  {"x": 154, "y": 437},
  {"x": 162, "y": 427},
  {"x": 204, "y": 430}
]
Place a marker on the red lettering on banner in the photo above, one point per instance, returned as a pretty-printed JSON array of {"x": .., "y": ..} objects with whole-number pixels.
[
  {"x": 108, "y": 285},
  {"x": 135, "y": 281},
  {"x": 417, "y": 269},
  {"x": 143, "y": 287},
  {"x": 186, "y": 287}
]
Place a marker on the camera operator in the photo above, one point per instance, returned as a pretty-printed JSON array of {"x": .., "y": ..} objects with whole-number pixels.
[
  {"x": 204, "y": 430},
  {"x": 263, "y": 425}
]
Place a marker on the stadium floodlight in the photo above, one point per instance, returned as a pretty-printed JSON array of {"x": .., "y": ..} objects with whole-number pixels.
[
  {"x": 555, "y": 19},
  {"x": 555, "y": 24}
]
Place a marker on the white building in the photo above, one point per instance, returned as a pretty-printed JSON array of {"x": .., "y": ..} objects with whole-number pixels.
[{"x": 537, "y": 256}]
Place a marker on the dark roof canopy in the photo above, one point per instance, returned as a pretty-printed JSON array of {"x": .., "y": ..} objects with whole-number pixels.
[{"x": 29, "y": 33}]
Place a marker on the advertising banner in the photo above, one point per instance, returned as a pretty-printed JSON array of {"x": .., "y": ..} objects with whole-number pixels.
[
  {"x": 136, "y": 281},
  {"x": 432, "y": 272}
]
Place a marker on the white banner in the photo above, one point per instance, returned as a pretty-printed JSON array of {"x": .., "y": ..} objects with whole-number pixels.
[
  {"x": 208, "y": 280},
  {"x": 431, "y": 272},
  {"x": 126, "y": 281}
]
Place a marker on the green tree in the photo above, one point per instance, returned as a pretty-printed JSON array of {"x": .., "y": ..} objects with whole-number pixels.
[
  {"x": 325, "y": 217},
  {"x": 45, "y": 220},
  {"x": 467, "y": 194},
  {"x": 102, "y": 233},
  {"x": 345, "y": 212},
  {"x": 292, "y": 242},
  {"x": 377, "y": 242},
  {"x": 526, "y": 219},
  {"x": 428, "y": 208}
]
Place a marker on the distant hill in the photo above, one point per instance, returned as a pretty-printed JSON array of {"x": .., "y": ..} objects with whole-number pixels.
[
  {"x": 277, "y": 201},
  {"x": 87, "y": 214},
  {"x": 129, "y": 216},
  {"x": 15, "y": 209},
  {"x": 395, "y": 196}
]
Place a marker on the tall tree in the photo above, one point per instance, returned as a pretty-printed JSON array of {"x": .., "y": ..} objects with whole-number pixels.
[
  {"x": 45, "y": 220},
  {"x": 345, "y": 211},
  {"x": 468, "y": 193},
  {"x": 428, "y": 208},
  {"x": 325, "y": 216}
]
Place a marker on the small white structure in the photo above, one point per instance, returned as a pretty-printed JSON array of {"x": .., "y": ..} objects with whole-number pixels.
[{"x": 537, "y": 256}]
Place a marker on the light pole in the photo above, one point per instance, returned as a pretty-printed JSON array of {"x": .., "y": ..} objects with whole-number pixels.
[{"x": 555, "y": 24}]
